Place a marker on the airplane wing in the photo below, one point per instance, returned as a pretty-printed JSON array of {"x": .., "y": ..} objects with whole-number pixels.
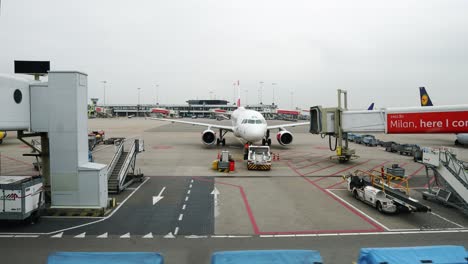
[
  {"x": 227, "y": 128},
  {"x": 288, "y": 125}
]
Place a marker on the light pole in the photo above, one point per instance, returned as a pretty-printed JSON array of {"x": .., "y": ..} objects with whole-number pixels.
[
  {"x": 138, "y": 106},
  {"x": 104, "y": 84},
  {"x": 157, "y": 94},
  {"x": 273, "y": 86},
  {"x": 246, "y": 97},
  {"x": 260, "y": 89}
]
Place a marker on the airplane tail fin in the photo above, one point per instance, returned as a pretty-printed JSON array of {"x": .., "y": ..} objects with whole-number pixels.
[
  {"x": 424, "y": 97},
  {"x": 238, "y": 103},
  {"x": 371, "y": 107}
]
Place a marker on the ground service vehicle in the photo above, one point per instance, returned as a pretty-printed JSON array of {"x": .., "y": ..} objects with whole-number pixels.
[
  {"x": 369, "y": 140},
  {"x": 259, "y": 158},
  {"x": 370, "y": 195}
]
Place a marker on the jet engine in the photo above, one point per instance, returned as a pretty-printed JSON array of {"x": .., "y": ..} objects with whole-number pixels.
[
  {"x": 284, "y": 137},
  {"x": 208, "y": 137}
]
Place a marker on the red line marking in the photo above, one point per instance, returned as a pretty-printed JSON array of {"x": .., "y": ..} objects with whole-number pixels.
[
  {"x": 13, "y": 159},
  {"x": 307, "y": 159},
  {"x": 321, "y": 231},
  {"x": 430, "y": 182},
  {"x": 381, "y": 164},
  {"x": 333, "y": 165},
  {"x": 345, "y": 169},
  {"x": 311, "y": 164},
  {"x": 244, "y": 198}
]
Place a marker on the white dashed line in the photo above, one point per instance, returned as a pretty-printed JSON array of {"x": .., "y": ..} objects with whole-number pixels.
[
  {"x": 190, "y": 186},
  {"x": 181, "y": 216},
  {"x": 183, "y": 207},
  {"x": 149, "y": 235},
  {"x": 188, "y": 192},
  {"x": 186, "y": 198},
  {"x": 59, "y": 235},
  {"x": 191, "y": 181},
  {"x": 105, "y": 235},
  {"x": 125, "y": 235},
  {"x": 170, "y": 235},
  {"x": 176, "y": 231},
  {"x": 82, "y": 235}
]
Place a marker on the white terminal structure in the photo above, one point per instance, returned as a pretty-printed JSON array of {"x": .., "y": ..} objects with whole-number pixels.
[{"x": 57, "y": 109}]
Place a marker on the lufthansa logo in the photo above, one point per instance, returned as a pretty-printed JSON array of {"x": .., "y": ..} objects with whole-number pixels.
[{"x": 424, "y": 99}]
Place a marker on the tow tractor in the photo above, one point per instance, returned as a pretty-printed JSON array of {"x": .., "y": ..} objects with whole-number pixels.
[
  {"x": 259, "y": 158},
  {"x": 374, "y": 188}
]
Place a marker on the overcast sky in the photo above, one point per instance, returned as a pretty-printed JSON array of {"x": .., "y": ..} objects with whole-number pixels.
[{"x": 380, "y": 51}]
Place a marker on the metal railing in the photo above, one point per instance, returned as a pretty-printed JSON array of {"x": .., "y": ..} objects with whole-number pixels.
[
  {"x": 114, "y": 160},
  {"x": 455, "y": 166},
  {"x": 124, "y": 169}
]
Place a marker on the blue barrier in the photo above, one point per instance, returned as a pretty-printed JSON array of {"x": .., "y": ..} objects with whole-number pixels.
[
  {"x": 412, "y": 255},
  {"x": 105, "y": 257}
]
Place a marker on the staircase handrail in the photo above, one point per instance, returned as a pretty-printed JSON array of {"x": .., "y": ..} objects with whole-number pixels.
[{"x": 114, "y": 160}]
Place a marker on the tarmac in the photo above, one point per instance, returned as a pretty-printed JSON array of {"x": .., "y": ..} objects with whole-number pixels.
[{"x": 302, "y": 203}]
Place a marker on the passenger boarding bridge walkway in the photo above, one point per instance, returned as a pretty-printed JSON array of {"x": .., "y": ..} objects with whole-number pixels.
[
  {"x": 123, "y": 162},
  {"x": 450, "y": 181}
]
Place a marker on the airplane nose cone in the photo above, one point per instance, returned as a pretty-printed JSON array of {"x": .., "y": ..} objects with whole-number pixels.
[{"x": 256, "y": 135}]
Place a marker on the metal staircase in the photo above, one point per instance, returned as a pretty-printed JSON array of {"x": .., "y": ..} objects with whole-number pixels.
[
  {"x": 123, "y": 165},
  {"x": 450, "y": 184}
]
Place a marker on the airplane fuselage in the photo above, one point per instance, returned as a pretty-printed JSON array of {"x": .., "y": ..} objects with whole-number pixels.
[{"x": 249, "y": 125}]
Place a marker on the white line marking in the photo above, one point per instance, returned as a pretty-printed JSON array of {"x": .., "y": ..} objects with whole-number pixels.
[
  {"x": 231, "y": 236},
  {"x": 59, "y": 235},
  {"x": 181, "y": 216},
  {"x": 130, "y": 189},
  {"x": 73, "y": 217},
  {"x": 306, "y": 235},
  {"x": 105, "y": 235},
  {"x": 125, "y": 235},
  {"x": 188, "y": 192},
  {"x": 447, "y": 220},
  {"x": 158, "y": 198},
  {"x": 190, "y": 186},
  {"x": 191, "y": 181},
  {"x": 366, "y": 215},
  {"x": 149, "y": 235},
  {"x": 186, "y": 198},
  {"x": 82, "y": 235},
  {"x": 219, "y": 236},
  {"x": 194, "y": 236},
  {"x": 31, "y": 236},
  {"x": 183, "y": 207},
  {"x": 266, "y": 236},
  {"x": 6, "y": 235},
  {"x": 102, "y": 219},
  {"x": 176, "y": 231}
]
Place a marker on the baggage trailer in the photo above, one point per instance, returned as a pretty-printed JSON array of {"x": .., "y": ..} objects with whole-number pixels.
[{"x": 21, "y": 197}]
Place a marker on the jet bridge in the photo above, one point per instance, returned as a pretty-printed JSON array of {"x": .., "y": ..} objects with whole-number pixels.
[
  {"x": 56, "y": 111},
  {"x": 339, "y": 121}
]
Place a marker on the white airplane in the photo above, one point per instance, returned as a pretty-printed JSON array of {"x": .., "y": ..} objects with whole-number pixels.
[{"x": 248, "y": 125}]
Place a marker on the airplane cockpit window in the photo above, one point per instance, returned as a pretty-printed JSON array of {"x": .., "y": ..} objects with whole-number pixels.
[
  {"x": 251, "y": 121},
  {"x": 258, "y": 121}
]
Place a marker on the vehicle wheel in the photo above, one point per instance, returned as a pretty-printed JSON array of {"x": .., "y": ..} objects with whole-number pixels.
[
  {"x": 218, "y": 142},
  {"x": 269, "y": 142},
  {"x": 223, "y": 142},
  {"x": 456, "y": 142},
  {"x": 355, "y": 195},
  {"x": 263, "y": 142},
  {"x": 379, "y": 207},
  {"x": 424, "y": 197}
]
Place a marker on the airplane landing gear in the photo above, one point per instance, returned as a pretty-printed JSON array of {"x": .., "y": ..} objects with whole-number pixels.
[
  {"x": 267, "y": 139},
  {"x": 221, "y": 140}
]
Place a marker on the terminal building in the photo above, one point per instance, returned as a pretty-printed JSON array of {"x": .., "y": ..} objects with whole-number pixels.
[{"x": 198, "y": 109}]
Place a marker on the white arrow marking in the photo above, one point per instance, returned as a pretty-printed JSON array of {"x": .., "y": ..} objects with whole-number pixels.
[
  {"x": 82, "y": 235},
  {"x": 105, "y": 235},
  {"x": 149, "y": 235},
  {"x": 158, "y": 198},
  {"x": 215, "y": 194},
  {"x": 59, "y": 235},
  {"x": 125, "y": 236}
]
